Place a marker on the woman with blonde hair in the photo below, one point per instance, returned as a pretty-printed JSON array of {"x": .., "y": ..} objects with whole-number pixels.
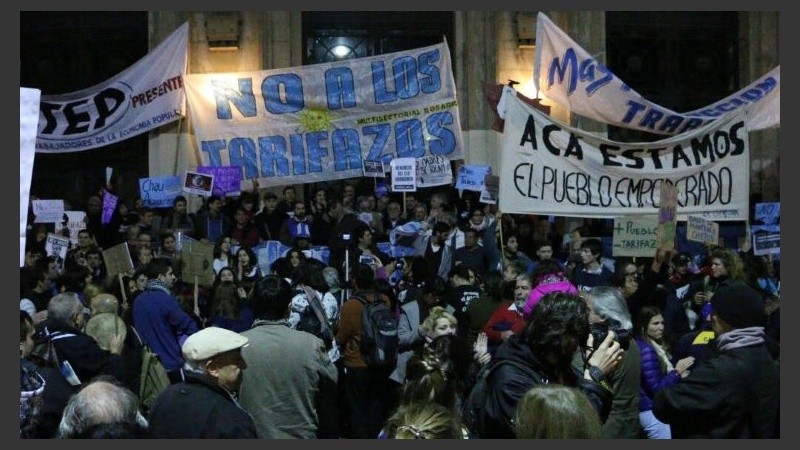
[
  {"x": 423, "y": 420},
  {"x": 554, "y": 411},
  {"x": 439, "y": 322}
]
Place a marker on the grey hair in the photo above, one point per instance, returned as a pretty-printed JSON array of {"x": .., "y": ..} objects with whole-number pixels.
[
  {"x": 198, "y": 367},
  {"x": 331, "y": 276},
  {"x": 63, "y": 307},
  {"x": 97, "y": 403},
  {"x": 609, "y": 303}
]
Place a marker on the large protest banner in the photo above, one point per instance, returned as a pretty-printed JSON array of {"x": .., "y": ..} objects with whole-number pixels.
[
  {"x": 28, "y": 118},
  {"x": 568, "y": 75},
  {"x": 550, "y": 168},
  {"x": 320, "y": 122},
  {"x": 143, "y": 97}
]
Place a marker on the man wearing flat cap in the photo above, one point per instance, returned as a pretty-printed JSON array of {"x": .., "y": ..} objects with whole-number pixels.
[
  {"x": 204, "y": 405},
  {"x": 735, "y": 394}
]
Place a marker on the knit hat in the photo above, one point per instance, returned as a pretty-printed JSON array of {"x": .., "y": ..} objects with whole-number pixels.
[{"x": 739, "y": 305}]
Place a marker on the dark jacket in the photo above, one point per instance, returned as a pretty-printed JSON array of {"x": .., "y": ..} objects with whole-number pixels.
[
  {"x": 199, "y": 408},
  {"x": 84, "y": 355},
  {"x": 734, "y": 395},
  {"x": 508, "y": 384}
]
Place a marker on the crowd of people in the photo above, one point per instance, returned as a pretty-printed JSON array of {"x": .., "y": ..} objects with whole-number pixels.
[{"x": 505, "y": 326}]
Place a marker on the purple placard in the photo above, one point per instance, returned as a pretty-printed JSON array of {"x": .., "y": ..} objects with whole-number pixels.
[
  {"x": 109, "y": 204},
  {"x": 227, "y": 179}
]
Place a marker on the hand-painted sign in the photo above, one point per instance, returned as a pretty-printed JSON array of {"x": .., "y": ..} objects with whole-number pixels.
[
  {"x": 550, "y": 168},
  {"x": 321, "y": 121}
]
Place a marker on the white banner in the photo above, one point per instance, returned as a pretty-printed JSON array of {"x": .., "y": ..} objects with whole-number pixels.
[
  {"x": 571, "y": 77},
  {"x": 143, "y": 97},
  {"x": 28, "y": 118},
  {"x": 550, "y": 168},
  {"x": 320, "y": 122}
]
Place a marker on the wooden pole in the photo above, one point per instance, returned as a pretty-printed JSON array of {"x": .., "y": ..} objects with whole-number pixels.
[
  {"x": 122, "y": 291},
  {"x": 196, "y": 296},
  {"x": 177, "y": 146}
]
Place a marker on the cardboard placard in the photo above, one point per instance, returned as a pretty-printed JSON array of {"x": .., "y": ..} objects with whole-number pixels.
[
  {"x": 667, "y": 217},
  {"x": 635, "y": 236},
  {"x": 699, "y": 229},
  {"x": 198, "y": 259},
  {"x": 118, "y": 259}
]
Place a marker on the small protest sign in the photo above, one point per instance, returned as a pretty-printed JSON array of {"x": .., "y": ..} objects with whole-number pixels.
[
  {"x": 118, "y": 259},
  {"x": 433, "y": 171},
  {"x": 57, "y": 246},
  {"x": 699, "y": 229},
  {"x": 768, "y": 213},
  {"x": 48, "y": 211},
  {"x": 374, "y": 169},
  {"x": 109, "y": 205},
  {"x": 404, "y": 175},
  {"x": 227, "y": 179},
  {"x": 635, "y": 236},
  {"x": 159, "y": 192},
  {"x": 667, "y": 216},
  {"x": 76, "y": 221},
  {"x": 766, "y": 242},
  {"x": 471, "y": 177},
  {"x": 198, "y": 183},
  {"x": 198, "y": 257},
  {"x": 491, "y": 187}
]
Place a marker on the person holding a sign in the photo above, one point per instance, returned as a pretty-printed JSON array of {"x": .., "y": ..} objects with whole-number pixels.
[{"x": 725, "y": 265}]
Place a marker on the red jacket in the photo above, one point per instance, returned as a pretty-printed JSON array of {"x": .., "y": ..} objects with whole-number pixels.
[{"x": 503, "y": 319}]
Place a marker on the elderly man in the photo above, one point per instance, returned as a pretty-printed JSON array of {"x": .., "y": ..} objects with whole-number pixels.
[
  {"x": 78, "y": 353},
  {"x": 102, "y": 405},
  {"x": 204, "y": 404},
  {"x": 736, "y": 394}
]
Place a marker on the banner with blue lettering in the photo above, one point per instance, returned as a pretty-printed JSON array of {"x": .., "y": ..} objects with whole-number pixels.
[
  {"x": 550, "y": 168},
  {"x": 320, "y": 122},
  {"x": 568, "y": 75},
  {"x": 143, "y": 97}
]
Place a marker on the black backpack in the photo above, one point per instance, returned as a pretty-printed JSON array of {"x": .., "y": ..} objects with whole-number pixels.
[
  {"x": 379, "y": 337},
  {"x": 473, "y": 408}
]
